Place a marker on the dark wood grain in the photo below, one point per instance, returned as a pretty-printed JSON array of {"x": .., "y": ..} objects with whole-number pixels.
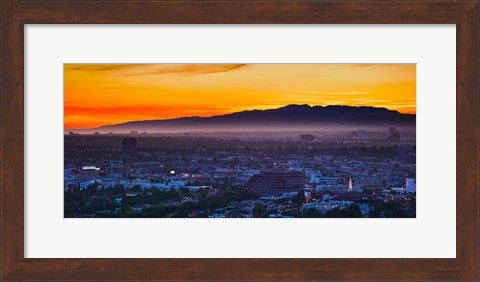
[{"x": 15, "y": 14}]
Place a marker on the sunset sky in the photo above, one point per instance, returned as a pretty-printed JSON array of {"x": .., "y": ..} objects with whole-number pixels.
[{"x": 102, "y": 94}]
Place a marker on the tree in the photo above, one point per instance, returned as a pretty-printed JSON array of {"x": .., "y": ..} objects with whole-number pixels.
[
  {"x": 181, "y": 212},
  {"x": 299, "y": 198},
  {"x": 259, "y": 210},
  {"x": 391, "y": 209},
  {"x": 184, "y": 191},
  {"x": 351, "y": 211},
  {"x": 311, "y": 213}
]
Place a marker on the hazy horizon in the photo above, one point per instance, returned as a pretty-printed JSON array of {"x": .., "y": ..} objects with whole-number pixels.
[{"x": 251, "y": 126}]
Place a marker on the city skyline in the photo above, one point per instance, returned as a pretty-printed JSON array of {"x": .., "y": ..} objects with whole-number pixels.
[{"x": 103, "y": 94}]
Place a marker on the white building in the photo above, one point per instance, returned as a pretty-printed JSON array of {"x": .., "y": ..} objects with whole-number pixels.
[
  {"x": 88, "y": 173},
  {"x": 411, "y": 185}
]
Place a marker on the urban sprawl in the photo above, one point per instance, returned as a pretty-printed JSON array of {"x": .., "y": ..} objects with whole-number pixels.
[{"x": 240, "y": 175}]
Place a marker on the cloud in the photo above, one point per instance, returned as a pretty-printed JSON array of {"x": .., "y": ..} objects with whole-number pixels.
[
  {"x": 329, "y": 92},
  {"x": 368, "y": 100},
  {"x": 189, "y": 69},
  {"x": 156, "y": 69},
  {"x": 368, "y": 65},
  {"x": 100, "y": 67},
  {"x": 163, "y": 111}
]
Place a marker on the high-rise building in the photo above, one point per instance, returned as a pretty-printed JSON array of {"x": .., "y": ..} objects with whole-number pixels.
[
  {"x": 362, "y": 133},
  {"x": 395, "y": 137},
  {"x": 276, "y": 183},
  {"x": 371, "y": 183},
  {"x": 393, "y": 134},
  {"x": 411, "y": 185},
  {"x": 392, "y": 130},
  {"x": 129, "y": 143},
  {"x": 88, "y": 173}
]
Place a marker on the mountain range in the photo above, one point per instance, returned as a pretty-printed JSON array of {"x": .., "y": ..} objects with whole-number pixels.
[{"x": 287, "y": 118}]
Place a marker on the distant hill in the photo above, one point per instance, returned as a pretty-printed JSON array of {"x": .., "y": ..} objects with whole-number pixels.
[{"x": 288, "y": 118}]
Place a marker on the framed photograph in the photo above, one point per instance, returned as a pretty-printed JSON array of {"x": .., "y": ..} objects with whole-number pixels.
[
  {"x": 239, "y": 141},
  {"x": 233, "y": 140}
]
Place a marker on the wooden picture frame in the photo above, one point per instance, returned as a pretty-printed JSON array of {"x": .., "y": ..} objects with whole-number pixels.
[{"x": 14, "y": 14}]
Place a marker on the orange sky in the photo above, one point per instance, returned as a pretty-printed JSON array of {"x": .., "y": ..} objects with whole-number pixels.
[{"x": 101, "y": 94}]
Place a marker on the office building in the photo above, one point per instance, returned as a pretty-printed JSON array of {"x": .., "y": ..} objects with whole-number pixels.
[
  {"x": 392, "y": 130},
  {"x": 411, "y": 185},
  {"x": 362, "y": 133},
  {"x": 88, "y": 173},
  {"x": 276, "y": 183},
  {"x": 393, "y": 134}
]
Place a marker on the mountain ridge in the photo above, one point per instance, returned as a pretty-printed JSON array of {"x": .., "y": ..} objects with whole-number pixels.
[{"x": 286, "y": 117}]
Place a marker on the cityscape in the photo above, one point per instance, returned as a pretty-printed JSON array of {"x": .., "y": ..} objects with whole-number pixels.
[{"x": 253, "y": 157}]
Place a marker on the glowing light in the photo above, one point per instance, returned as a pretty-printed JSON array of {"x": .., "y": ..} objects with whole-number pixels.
[{"x": 90, "y": 168}]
